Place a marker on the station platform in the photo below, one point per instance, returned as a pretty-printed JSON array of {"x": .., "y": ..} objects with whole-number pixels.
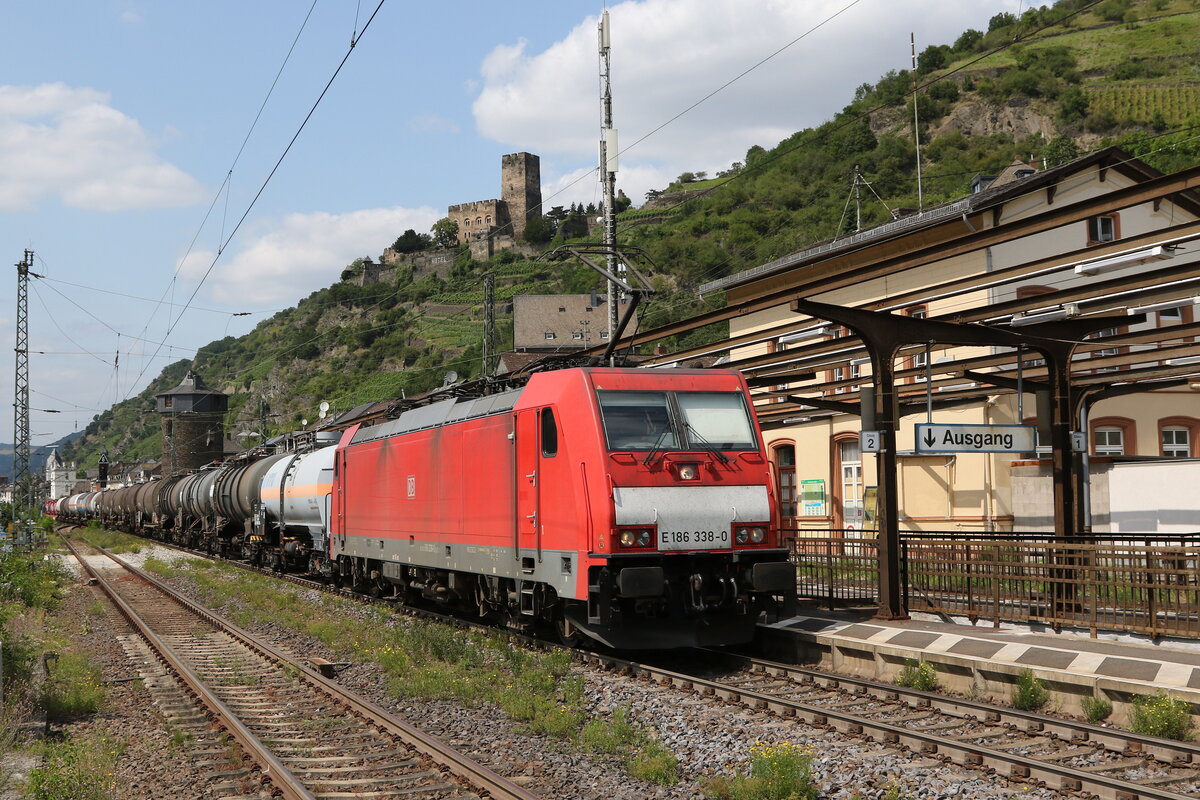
[{"x": 983, "y": 662}]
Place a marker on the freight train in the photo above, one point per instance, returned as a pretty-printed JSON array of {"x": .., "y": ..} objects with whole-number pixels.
[{"x": 631, "y": 506}]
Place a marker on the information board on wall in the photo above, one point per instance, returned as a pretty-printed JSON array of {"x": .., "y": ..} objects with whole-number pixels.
[{"x": 812, "y": 498}]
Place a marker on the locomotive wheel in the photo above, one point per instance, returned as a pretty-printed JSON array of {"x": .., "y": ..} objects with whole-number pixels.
[{"x": 566, "y": 631}]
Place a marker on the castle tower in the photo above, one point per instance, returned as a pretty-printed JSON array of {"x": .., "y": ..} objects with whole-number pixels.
[
  {"x": 521, "y": 188},
  {"x": 193, "y": 424}
]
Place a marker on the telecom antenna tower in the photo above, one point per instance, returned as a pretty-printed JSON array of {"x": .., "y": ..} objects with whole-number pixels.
[
  {"x": 608, "y": 173},
  {"x": 22, "y": 483}
]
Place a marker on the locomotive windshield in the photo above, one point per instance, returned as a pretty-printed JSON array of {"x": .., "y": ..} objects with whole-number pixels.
[{"x": 665, "y": 421}]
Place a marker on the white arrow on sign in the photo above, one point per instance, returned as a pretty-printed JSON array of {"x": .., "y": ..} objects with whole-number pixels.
[{"x": 976, "y": 438}]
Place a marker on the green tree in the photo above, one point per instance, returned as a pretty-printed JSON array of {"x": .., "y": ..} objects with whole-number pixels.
[
  {"x": 445, "y": 232},
  {"x": 969, "y": 41},
  {"x": 1072, "y": 106},
  {"x": 1001, "y": 20},
  {"x": 931, "y": 58},
  {"x": 1061, "y": 150},
  {"x": 410, "y": 242},
  {"x": 538, "y": 230}
]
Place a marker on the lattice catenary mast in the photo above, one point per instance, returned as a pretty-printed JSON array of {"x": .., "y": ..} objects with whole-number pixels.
[{"x": 22, "y": 483}]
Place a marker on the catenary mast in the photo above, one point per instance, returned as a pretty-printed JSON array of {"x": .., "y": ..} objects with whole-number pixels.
[{"x": 22, "y": 479}]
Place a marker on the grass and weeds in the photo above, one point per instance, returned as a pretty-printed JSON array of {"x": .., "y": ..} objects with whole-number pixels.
[
  {"x": 423, "y": 659},
  {"x": 76, "y": 769},
  {"x": 1030, "y": 693},
  {"x": 1096, "y": 709},
  {"x": 777, "y": 772},
  {"x": 31, "y": 586},
  {"x": 72, "y": 687},
  {"x": 644, "y": 756},
  {"x": 112, "y": 541},
  {"x": 1163, "y": 716},
  {"x": 921, "y": 676}
]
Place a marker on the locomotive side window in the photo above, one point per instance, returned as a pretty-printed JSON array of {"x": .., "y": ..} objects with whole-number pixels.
[
  {"x": 718, "y": 419},
  {"x": 637, "y": 420},
  {"x": 549, "y": 433}
]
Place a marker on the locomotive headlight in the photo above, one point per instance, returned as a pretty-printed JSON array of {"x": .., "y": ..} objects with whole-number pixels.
[
  {"x": 689, "y": 472},
  {"x": 643, "y": 538},
  {"x": 743, "y": 535},
  {"x": 628, "y": 538},
  {"x": 758, "y": 535}
]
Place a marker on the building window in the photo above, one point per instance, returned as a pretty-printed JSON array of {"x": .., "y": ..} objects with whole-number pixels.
[
  {"x": 919, "y": 360},
  {"x": 168, "y": 401},
  {"x": 1175, "y": 442},
  {"x": 1114, "y": 436},
  {"x": 1107, "y": 351},
  {"x": 550, "y": 334},
  {"x": 467, "y": 222},
  {"x": 587, "y": 308},
  {"x": 488, "y": 219},
  {"x": 1041, "y": 448},
  {"x": 1109, "y": 442},
  {"x": 603, "y": 334},
  {"x": 785, "y": 466},
  {"x": 577, "y": 335},
  {"x": 1104, "y": 228},
  {"x": 1177, "y": 436},
  {"x": 562, "y": 309},
  {"x": 850, "y": 468}
]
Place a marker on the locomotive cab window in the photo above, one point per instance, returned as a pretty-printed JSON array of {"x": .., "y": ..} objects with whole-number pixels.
[
  {"x": 662, "y": 421},
  {"x": 549, "y": 433},
  {"x": 717, "y": 419},
  {"x": 637, "y": 421}
]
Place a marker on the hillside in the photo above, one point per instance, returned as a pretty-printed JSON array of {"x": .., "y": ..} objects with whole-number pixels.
[{"x": 1062, "y": 80}]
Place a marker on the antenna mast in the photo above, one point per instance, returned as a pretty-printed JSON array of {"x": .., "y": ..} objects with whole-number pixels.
[
  {"x": 608, "y": 173},
  {"x": 22, "y": 479},
  {"x": 912, "y": 39}
]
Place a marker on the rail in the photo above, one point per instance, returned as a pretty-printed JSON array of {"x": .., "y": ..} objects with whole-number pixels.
[{"x": 1137, "y": 583}]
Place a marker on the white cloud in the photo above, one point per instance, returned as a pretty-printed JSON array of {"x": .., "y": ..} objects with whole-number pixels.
[
  {"x": 56, "y": 140},
  {"x": 304, "y": 252},
  {"x": 668, "y": 54}
]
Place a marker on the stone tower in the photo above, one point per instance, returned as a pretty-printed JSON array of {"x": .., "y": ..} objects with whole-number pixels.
[
  {"x": 521, "y": 188},
  {"x": 193, "y": 424}
]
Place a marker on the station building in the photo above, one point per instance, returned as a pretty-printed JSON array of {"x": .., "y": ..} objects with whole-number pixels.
[{"x": 825, "y": 482}]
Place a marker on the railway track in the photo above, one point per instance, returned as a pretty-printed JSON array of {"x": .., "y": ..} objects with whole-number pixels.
[
  {"x": 307, "y": 737},
  {"x": 1059, "y": 753},
  {"x": 1055, "y": 752}
]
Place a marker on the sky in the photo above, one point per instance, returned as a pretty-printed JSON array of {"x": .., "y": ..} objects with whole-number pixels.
[{"x": 140, "y": 142}]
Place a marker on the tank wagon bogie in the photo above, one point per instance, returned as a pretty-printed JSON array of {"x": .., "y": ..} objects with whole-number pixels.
[{"x": 630, "y": 506}]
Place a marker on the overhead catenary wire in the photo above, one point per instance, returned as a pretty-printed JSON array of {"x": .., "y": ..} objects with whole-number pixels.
[{"x": 224, "y": 186}]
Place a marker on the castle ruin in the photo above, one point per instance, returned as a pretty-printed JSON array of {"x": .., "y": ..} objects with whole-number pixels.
[{"x": 482, "y": 222}]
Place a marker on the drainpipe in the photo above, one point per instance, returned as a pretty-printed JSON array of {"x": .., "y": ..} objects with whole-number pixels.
[{"x": 989, "y": 523}]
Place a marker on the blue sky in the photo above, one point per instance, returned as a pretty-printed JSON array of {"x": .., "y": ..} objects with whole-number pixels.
[{"x": 120, "y": 119}]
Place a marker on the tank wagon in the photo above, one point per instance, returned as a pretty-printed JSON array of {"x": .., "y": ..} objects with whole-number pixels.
[{"x": 633, "y": 507}]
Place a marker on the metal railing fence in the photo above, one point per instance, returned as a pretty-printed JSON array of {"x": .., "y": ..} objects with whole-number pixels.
[{"x": 1141, "y": 583}]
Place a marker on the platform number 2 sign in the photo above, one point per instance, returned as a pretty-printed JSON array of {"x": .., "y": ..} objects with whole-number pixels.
[{"x": 869, "y": 441}]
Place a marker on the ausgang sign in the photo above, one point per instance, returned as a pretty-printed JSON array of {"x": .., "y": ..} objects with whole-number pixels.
[{"x": 976, "y": 438}]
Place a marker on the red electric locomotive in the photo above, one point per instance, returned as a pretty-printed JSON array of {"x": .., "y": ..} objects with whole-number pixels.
[{"x": 631, "y": 506}]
